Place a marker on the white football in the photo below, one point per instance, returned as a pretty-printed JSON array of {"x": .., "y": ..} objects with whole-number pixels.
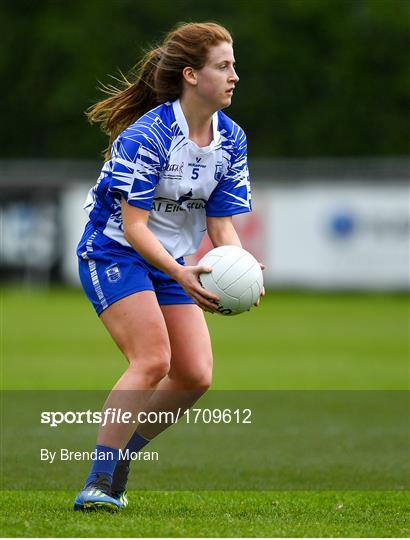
[{"x": 236, "y": 278}]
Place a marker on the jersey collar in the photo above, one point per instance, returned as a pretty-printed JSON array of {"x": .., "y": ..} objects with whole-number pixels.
[{"x": 183, "y": 124}]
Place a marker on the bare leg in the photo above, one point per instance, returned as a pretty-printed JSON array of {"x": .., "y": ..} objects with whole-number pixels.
[
  {"x": 137, "y": 325},
  {"x": 189, "y": 377},
  {"x": 191, "y": 365}
]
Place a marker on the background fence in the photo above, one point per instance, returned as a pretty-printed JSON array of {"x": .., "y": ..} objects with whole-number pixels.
[{"x": 327, "y": 224}]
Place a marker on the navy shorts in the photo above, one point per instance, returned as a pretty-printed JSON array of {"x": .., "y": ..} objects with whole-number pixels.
[{"x": 112, "y": 273}]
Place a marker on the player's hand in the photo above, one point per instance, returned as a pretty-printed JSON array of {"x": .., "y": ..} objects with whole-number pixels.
[
  {"x": 188, "y": 278},
  {"x": 263, "y": 288}
]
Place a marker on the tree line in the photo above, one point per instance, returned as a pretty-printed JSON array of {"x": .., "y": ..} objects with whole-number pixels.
[{"x": 317, "y": 77}]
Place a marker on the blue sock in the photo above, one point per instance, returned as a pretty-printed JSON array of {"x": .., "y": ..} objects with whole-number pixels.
[
  {"x": 120, "y": 478},
  {"x": 136, "y": 443},
  {"x": 105, "y": 462}
]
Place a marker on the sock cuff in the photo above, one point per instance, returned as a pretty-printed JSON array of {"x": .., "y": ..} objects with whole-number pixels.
[
  {"x": 137, "y": 442},
  {"x": 142, "y": 437},
  {"x": 107, "y": 452}
]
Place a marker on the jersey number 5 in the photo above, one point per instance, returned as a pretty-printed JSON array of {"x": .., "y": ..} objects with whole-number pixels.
[{"x": 195, "y": 173}]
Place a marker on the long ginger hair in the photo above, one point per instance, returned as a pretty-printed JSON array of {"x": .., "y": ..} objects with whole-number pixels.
[{"x": 157, "y": 78}]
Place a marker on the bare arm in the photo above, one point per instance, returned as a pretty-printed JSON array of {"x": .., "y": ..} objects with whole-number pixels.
[
  {"x": 148, "y": 246},
  {"x": 222, "y": 232}
]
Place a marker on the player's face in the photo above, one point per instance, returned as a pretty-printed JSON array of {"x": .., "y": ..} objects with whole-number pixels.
[{"x": 217, "y": 79}]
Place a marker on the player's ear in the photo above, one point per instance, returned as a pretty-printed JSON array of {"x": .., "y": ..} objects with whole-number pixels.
[{"x": 190, "y": 76}]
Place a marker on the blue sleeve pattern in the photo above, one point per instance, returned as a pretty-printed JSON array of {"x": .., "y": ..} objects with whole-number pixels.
[
  {"x": 136, "y": 164},
  {"x": 232, "y": 194}
]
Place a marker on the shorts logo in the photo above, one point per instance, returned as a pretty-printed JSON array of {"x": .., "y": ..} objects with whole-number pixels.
[{"x": 113, "y": 273}]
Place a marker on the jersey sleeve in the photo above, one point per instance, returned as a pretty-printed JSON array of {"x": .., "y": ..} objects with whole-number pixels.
[
  {"x": 232, "y": 194},
  {"x": 135, "y": 168}
]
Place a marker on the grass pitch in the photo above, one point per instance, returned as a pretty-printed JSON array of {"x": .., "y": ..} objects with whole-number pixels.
[
  {"x": 221, "y": 514},
  {"x": 53, "y": 340}
]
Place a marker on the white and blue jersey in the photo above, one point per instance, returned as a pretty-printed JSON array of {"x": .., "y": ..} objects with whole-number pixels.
[{"x": 155, "y": 166}]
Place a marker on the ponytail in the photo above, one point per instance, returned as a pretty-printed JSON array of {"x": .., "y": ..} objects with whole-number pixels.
[{"x": 127, "y": 103}]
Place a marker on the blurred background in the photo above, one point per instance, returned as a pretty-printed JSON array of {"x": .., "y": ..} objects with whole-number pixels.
[{"x": 324, "y": 97}]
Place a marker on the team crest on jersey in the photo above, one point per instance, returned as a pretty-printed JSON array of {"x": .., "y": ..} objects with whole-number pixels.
[
  {"x": 218, "y": 171},
  {"x": 113, "y": 273}
]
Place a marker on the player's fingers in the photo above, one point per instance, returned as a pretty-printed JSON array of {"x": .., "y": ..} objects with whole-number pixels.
[
  {"x": 206, "y": 294},
  {"x": 212, "y": 307},
  {"x": 202, "y": 269},
  {"x": 198, "y": 285},
  {"x": 212, "y": 297},
  {"x": 262, "y": 266},
  {"x": 256, "y": 304},
  {"x": 208, "y": 299},
  {"x": 204, "y": 303}
]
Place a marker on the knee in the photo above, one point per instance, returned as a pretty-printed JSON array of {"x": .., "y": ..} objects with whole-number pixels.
[
  {"x": 202, "y": 383},
  {"x": 203, "y": 380},
  {"x": 156, "y": 369},
  {"x": 153, "y": 367},
  {"x": 196, "y": 379}
]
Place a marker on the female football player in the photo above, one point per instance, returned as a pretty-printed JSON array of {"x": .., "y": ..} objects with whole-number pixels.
[{"x": 176, "y": 167}]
